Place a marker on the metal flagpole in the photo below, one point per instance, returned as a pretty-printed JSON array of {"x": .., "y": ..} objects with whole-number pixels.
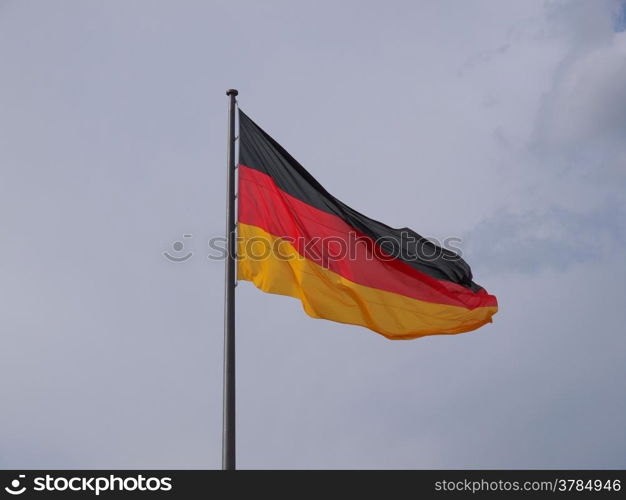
[{"x": 228, "y": 424}]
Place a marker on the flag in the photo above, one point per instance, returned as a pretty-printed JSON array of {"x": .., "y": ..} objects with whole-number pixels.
[{"x": 296, "y": 239}]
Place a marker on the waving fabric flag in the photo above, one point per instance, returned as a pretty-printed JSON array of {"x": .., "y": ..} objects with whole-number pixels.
[{"x": 296, "y": 239}]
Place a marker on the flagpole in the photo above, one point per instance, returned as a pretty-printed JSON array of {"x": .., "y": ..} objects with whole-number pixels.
[{"x": 228, "y": 423}]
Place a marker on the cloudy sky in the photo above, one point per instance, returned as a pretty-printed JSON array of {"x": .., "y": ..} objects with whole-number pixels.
[{"x": 498, "y": 122}]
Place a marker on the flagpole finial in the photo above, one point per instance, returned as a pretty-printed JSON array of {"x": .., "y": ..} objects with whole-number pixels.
[{"x": 232, "y": 92}]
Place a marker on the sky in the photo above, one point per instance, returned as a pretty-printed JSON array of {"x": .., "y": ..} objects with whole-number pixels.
[{"x": 501, "y": 123}]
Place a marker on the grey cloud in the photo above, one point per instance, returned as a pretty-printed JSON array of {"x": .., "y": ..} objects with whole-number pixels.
[
  {"x": 572, "y": 157},
  {"x": 585, "y": 105},
  {"x": 556, "y": 238}
]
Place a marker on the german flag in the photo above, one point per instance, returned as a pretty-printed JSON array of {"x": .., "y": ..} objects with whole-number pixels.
[{"x": 296, "y": 239}]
